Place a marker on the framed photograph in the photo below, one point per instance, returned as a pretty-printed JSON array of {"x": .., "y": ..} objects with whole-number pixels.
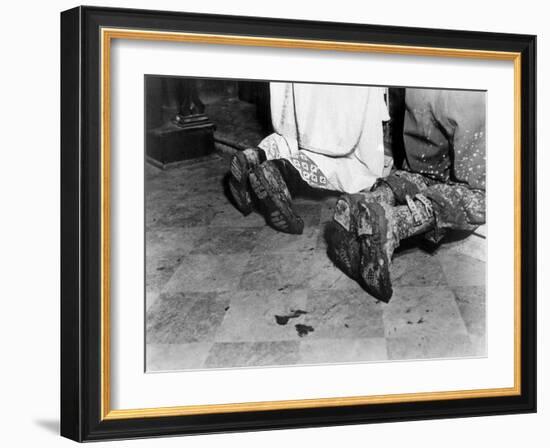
[{"x": 276, "y": 224}]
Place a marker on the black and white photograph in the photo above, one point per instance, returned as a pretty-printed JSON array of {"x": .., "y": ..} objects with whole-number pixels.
[
  {"x": 291, "y": 223},
  {"x": 275, "y": 224}
]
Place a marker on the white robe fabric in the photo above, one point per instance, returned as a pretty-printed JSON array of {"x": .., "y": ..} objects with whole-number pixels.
[{"x": 331, "y": 134}]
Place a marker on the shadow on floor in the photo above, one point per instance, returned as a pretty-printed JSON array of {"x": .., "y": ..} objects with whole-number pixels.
[{"x": 49, "y": 425}]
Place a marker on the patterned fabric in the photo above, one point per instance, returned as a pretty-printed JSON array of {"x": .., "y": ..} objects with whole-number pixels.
[
  {"x": 253, "y": 156},
  {"x": 444, "y": 135},
  {"x": 333, "y": 135},
  {"x": 442, "y": 186},
  {"x": 277, "y": 147},
  {"x": 455, "y": 206},
  {"x": 372, "y": 232},
  {"x": 309, "y": 171},
  {"x": 378, "y": 238},
  {"x": 346, "y": 174},
  {"x": 403, "y": 184},
  {"x": 409, "y": 223},
  {"x": 274, "y": 197},
  {"x": 343, "y": 249}
]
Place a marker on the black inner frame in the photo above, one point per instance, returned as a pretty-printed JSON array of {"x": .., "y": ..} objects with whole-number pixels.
[{"x": 81, "y": 223}]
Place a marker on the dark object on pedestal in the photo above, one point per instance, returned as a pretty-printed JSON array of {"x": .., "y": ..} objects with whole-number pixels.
[
  {"x": 257, "y": 92},
  {"x": 394, "y": 130},
  {"x": 176, "y": 126}
]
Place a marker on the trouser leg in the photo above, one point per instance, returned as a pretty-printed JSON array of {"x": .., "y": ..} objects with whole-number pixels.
[
  {"x": 456, "y": 207},
  {"x": 347, "y": 207}
]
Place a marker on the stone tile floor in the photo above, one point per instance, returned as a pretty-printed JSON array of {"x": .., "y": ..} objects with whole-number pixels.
[{"x": 224, "y": 290}]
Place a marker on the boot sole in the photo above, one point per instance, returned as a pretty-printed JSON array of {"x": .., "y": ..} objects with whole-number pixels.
[
  {"x": 278, "y": 213},
  {"x": 241, "y": 197},
  {"x": 238, "y": 185},
  {"x": 239, "y": 167}
]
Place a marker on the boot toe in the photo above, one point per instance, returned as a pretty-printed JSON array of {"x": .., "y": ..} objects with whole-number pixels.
[
  {"x": 375, "y": 264},
  {"x": 343, "y": 250},
  {"x": 376, "y": 278}
]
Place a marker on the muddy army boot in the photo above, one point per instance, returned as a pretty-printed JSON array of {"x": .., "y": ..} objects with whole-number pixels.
[
  {"x": 380, "y": 229},
  {"x": 342, "y": 241},
  {"x": 274, "y": 197},
  {"x": 241, "y": 164},
  {"x": 347, "y": 207},
  {"x": 343, "y": 249}
]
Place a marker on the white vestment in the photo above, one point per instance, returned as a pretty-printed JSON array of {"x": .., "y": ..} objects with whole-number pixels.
[{"x": 331, "y": 134}]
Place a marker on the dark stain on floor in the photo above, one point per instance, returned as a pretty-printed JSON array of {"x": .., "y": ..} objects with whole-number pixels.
[
  {"x": 283, "y": 319},
  {"x": 303, "y": 330}
]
